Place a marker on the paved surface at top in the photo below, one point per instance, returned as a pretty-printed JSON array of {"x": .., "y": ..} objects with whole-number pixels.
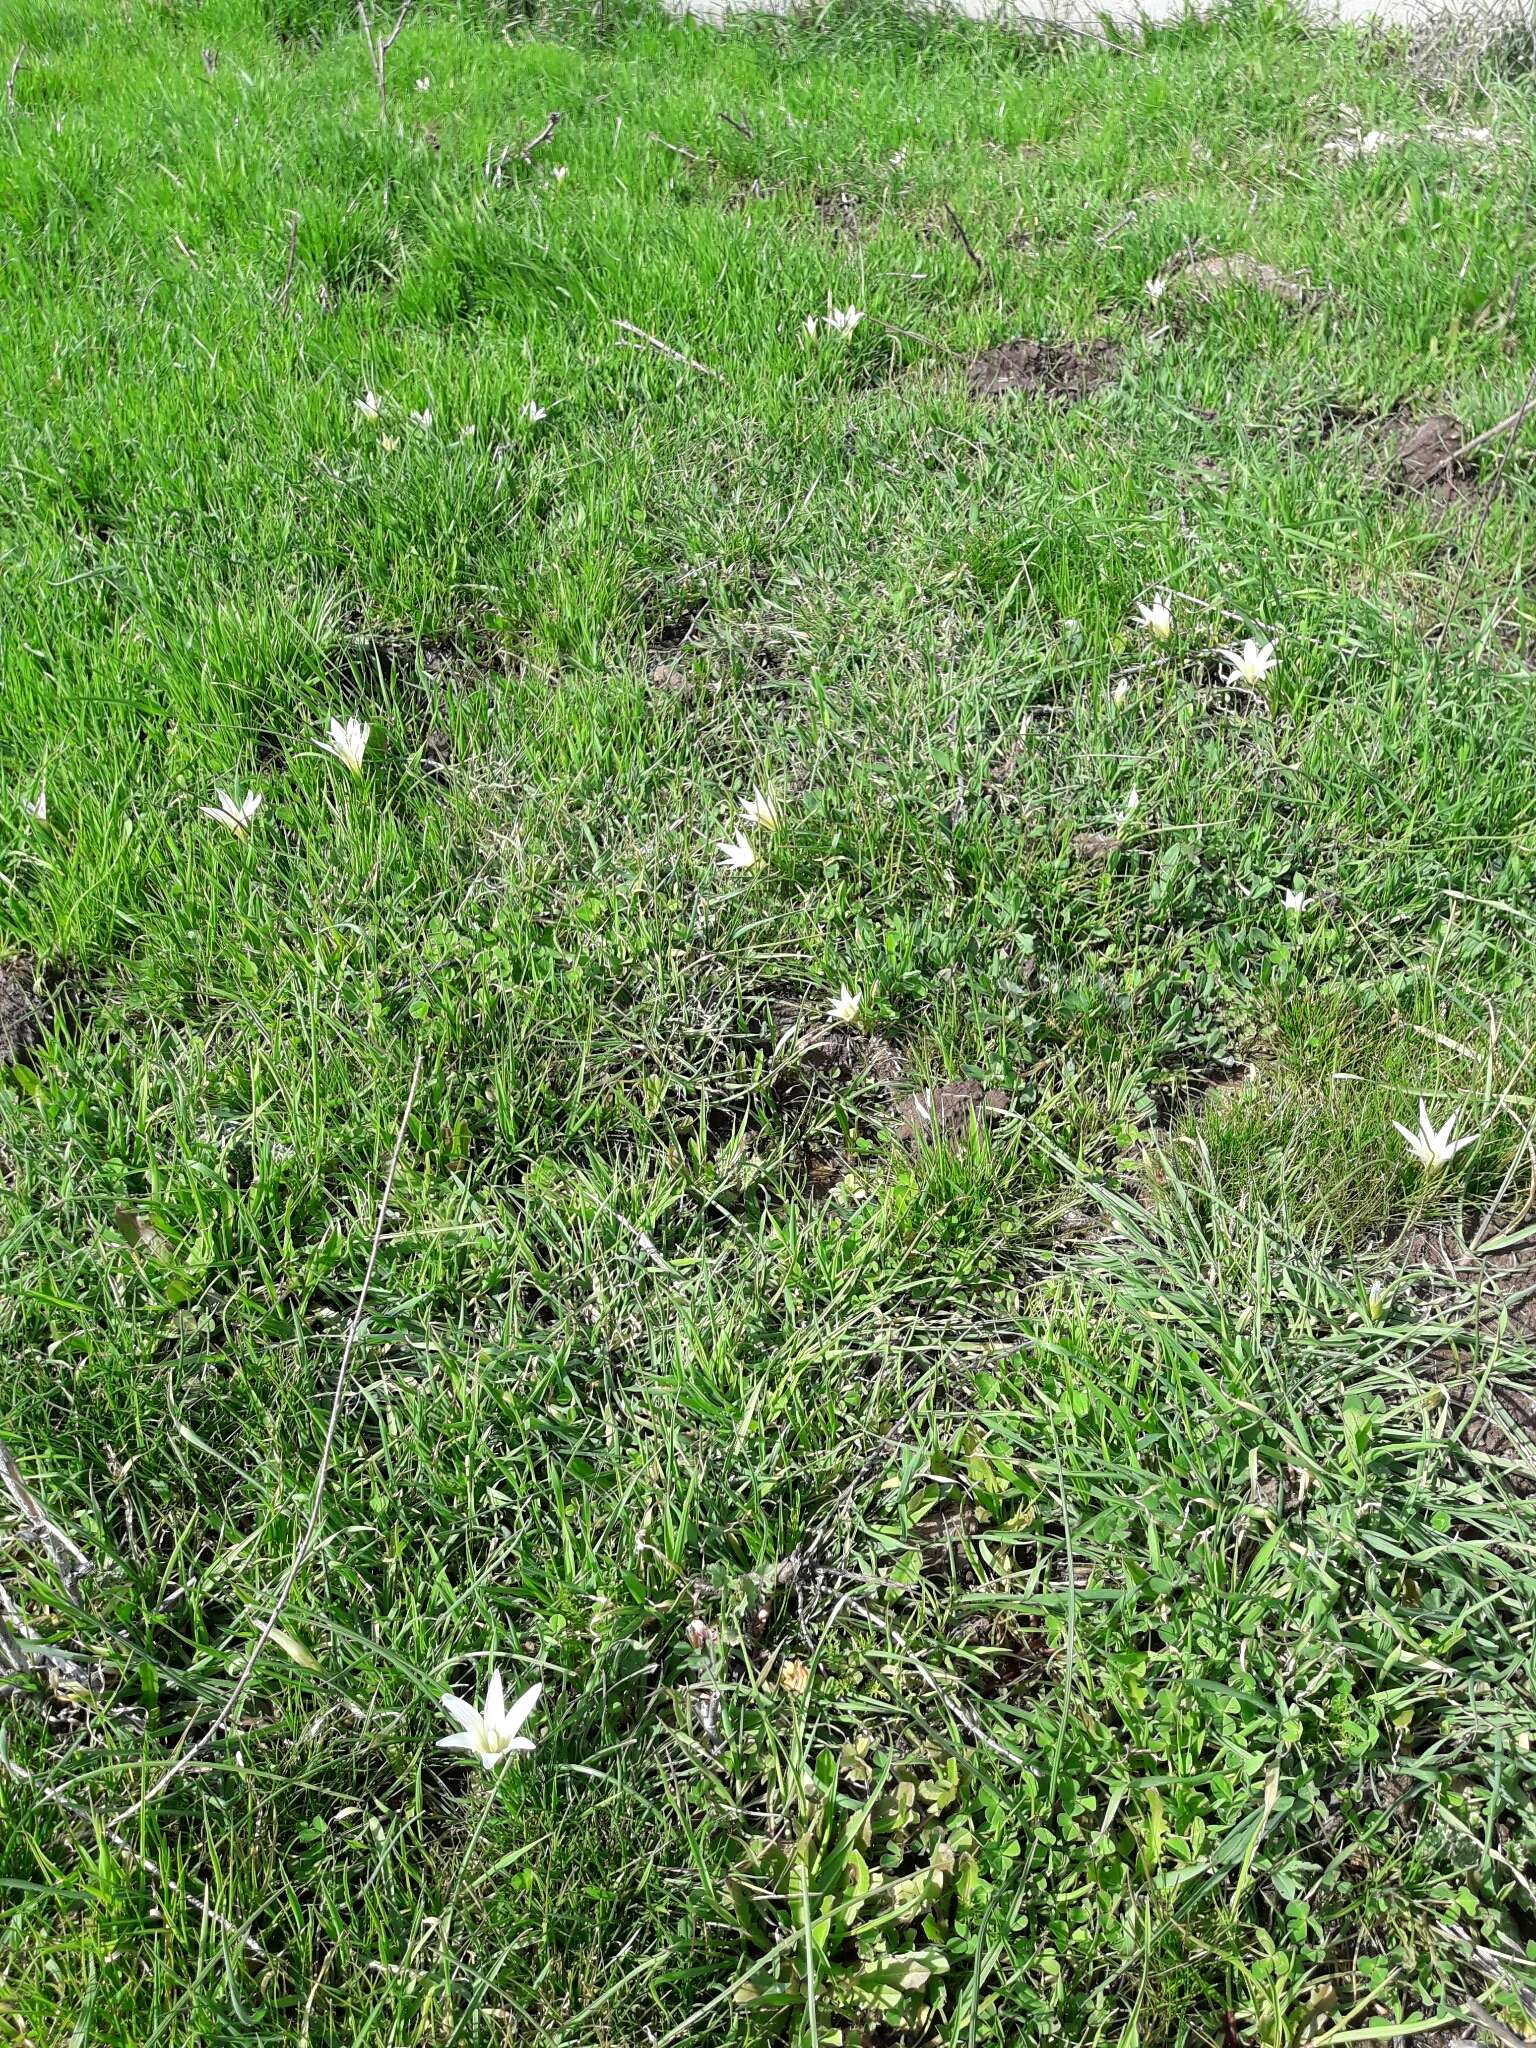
[{"x": 1091, "y": 18}]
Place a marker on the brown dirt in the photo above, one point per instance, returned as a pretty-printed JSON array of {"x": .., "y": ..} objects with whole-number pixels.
[
  {"x": 1042, "y": 369},
  {"x": 23, "y": 1012},
  {"x": 437, "y": 754},
  {"x": 1500, "y": 1274},
  {"x": 1496, "y": 1410},
  {"x": 1211, "y": 1086},
  {"x": 1426, "y": 454},
  {"x": 947, "y": 1113},
  {"x": 839, "y": 215},
  {"x": 813, "y": 1046},
  {"x": 1246, "y": 272},
  {"x": 1092, "y": 849}
]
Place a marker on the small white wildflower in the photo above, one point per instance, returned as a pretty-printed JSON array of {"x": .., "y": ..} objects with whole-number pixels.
[
  {"x": 494, "y": 1733},
  {"x": 1297, "y": 900},
  {"x": 1120, "y": 692},
  {"x": 848, "y": 1006},
  {"x": 422, "y": 419},
  {"x": 424, "y": 83},
  {"x": 389, "y": 443},
  {"x": 347, "y": 743},
  {"x": 533, "y": 412},
  {"x": 844, "y": 319},
  {"x": 737, "y": 853},
  {"x": 761, "y": 810},
  {"x": 1251, "y": 663},
  {"x": 467, "y": 431},
  {"x": 1156, "y": 286},
  {"x": 810, "y": 325},
  {"x": 370, "y": 405},
  {"x": 1130, "y": 807},
  {"x": 234, "y": 812},
  {"x": 1434, "y": 1148},
  {"x": 36, "y": 807},
  {"x": 1156, "y": 617},
  {"x": 560, "y": 173}
]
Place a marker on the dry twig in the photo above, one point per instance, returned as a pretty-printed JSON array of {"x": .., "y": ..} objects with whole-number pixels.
[
  {"x": 293, "y": 243},
  {"x": 676, "y": 354},
  {"x": 964, "y": 239},
  {"x": 379, "y": 48},
  {"x": 551, "y": 123},
  {"x": 39, "y": 1527}
]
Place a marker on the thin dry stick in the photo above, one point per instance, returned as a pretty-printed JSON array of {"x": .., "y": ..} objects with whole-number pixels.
[
  {"x": 39, "y": 1527},
  {"x": 379, "y": 48},
  {"x": 185, "y": 1758},
  {"x": 741, "y": 127},
  {"x": 293, "y": 243},
  {"x": 10, "y": 80},
  {"x": 1510, "y": 419},
  {"x": 135, "y": 1856},
  {"x": 676, "y": 354},
  {"x": 676, "y": 148},
  {"x": 551, "y": 123},
  {"x": 965, "y": 240}
]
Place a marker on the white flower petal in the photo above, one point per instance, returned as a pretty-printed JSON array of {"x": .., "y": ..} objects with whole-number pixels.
[
  {"x": 465, "y": 1712},
  {"x": 519, "y": 1711}
]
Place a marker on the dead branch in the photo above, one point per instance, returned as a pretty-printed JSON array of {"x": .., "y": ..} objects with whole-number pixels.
[
  {"x": 39, "y": 1527},
  {"x": 676, "y": 354},
  {"x": 551, "y": 123},
  {"x": 676, "y": 148},
  {"x": 741, "y": 127},
  {"x": 379, "y": 48},
  {"x": 1510, "y": 419},
  {"x": 964, "y": 239}
]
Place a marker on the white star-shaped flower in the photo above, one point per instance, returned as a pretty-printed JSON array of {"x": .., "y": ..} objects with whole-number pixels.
[
  {"x": 761, "y": 810},
  {"x": 347, "y": 743},
  {"x": 848, "y": 1006},
  {"x": 235, "y": 813},
  {"x": 1250, "y": 663},
  {"x": 737, "y": 853},
  {"x": 1434, "y": 1148},
  {"x": 492, "y": 1733}
]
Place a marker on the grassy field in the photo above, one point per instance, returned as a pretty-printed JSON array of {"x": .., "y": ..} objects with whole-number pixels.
[{"x": 1019, "y": 1497}]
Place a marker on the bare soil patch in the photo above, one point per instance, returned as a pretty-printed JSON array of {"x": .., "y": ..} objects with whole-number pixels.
[
  {"x": 1499, "y": 1275},
  {"x": 1247, "y": 273},
  {"x": 23, "y": 1012},
  {"x": 1426, "y": 453},
  {"x": 1495, "y": 1406},
  {"x": 838, "y": 213},
  {"x": 948, "y": 1112},
  {"x": 1051, "y": 370}
]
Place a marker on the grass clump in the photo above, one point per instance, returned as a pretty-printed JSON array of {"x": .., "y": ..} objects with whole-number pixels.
[{"x": 926, "y": 1344}]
